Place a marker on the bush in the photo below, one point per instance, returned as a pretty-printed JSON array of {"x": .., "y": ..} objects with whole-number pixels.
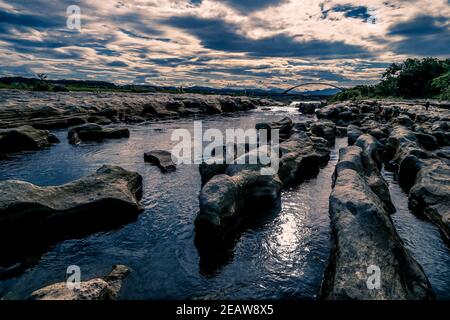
[{"x": 414, "y": 78}]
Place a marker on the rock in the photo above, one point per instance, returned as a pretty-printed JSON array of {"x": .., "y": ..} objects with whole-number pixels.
[
  {"x": 427, "y": 141},
  {"x": 324, "y": 129},
  {"x": 106, "y": 288},
  {"x": 284, "y": 126},
  {"x": 353, "y": 133},
  {"x": 404, "y": 120},
  {"x": 32, "y": 213},
  {"x": 309, "y": 107},
  {"x": 402, "y": 144},
  {"x": 224, "y": 199},
  {"x": 363, "y": 235},
  {"x": 94, "y": 132},
  {"x": 60, "y": 88},
  {"x": 430, "y": 194},
  {"x": 302, "y": 126},
  {"x": 25, "y": 138},
  {"x": 330, "y": 112},
  {"x": 162, "y": 159},
  {"x": 322, "y": 149},
  {"x": 372, "y": 163},
  {"x": 341, "y": 131},
  {"x": 158, "y": 109},
  {"x": 299, "y": 159}
]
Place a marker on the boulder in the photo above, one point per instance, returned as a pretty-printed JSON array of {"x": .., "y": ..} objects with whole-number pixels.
[
  {"x": 105, "y": 288},
  {"x": 25, "y": 138},
  {"x": 324, "y": 129},
  {"x": 106, "y": 198},
  {"x": 284, "y": 126},
  {"x": 353, "y": 133},
  {"x": 427, "y": 141},
  {"x": 162, "y": 159},
  {"x": 225, "y": 200},
  {"x": 364, "y": 237},
  {"x": 403, "y": 144},
  {"x": 94, "y": 132},
  {"x": 430, "y": 194},
  {"x": 299, "y": 159}
]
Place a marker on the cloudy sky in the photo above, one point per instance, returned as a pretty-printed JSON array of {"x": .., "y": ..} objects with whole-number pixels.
[{"x": 220, "y": 43}]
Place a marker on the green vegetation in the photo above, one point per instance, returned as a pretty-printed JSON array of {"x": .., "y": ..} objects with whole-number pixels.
[{"x": 414, "y": 78}]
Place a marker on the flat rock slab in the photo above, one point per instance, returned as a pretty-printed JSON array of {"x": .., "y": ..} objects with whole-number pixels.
[
  {"x": 162, "y": 159},
  {"x": 105, "y": 288},
  {"x": 25, "y": 138},
  {"x": 364, "y": 239},
  {"x": 431, "y": 194},
  {"x": 109, "y": 196}
]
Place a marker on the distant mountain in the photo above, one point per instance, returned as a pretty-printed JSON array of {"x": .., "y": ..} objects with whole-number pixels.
[{"x": 33, "y": 84}]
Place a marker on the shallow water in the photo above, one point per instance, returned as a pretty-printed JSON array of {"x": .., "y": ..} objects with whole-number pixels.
[
  {"x": 422, "y": 239},
  {"x": 281, "y": 256}
]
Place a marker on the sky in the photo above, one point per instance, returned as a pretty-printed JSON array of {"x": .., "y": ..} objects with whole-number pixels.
[{"x": 220, "y": 43}]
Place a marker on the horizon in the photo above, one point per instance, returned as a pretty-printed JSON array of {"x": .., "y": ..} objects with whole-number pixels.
[{"x": 220, "y": 44}]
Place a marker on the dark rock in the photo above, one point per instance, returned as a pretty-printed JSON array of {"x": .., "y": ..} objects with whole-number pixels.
[
  {"x": 431, "y": 194},
  {"x": 25, "y": 138},
  {"x": 106, "y": 288},
  {"x": 94, "y": 132},
  {"x": 224, "y": 199},
  {"x": 353, "y": 133},
  {"x": 309, "y": 107},
  {"x": 324, "y": 129},
  {"x": 162, "y": 159},
  {"x": 284, "y": 126},
  {"x": 427, "y": 141},
  {"x": 341, "y": 131}
]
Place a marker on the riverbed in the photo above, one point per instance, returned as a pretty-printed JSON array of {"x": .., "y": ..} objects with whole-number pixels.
[{"x": 282, "y": 255}]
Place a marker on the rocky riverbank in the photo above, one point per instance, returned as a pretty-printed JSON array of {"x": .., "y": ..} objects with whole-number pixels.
[
  {"x": 44, "y": 110},
  {"x": 403, "y": 137}
]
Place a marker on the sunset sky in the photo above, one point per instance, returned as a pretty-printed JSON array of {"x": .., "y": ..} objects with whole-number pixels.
[{"x": 220, "y": 43}]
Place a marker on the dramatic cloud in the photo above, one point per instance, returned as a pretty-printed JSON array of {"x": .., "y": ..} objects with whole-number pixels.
[{"x": 253, "y": 43}]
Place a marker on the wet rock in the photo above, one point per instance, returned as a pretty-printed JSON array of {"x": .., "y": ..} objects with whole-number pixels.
[
  {"x": 430, "y": 194},
  {"x": 94, "y": 132},
  {"x": 353, "y": 133},
  {"x": 105, "y": 288},
  {"x": 162, "y": 159},
  {"x": 363, "y": 236},
  {"x": 225, "y": 199},
  {"x": 25, "y": 138},
  {"x": 309, "y": 107},
  {"x": 108, "y": 197}
]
